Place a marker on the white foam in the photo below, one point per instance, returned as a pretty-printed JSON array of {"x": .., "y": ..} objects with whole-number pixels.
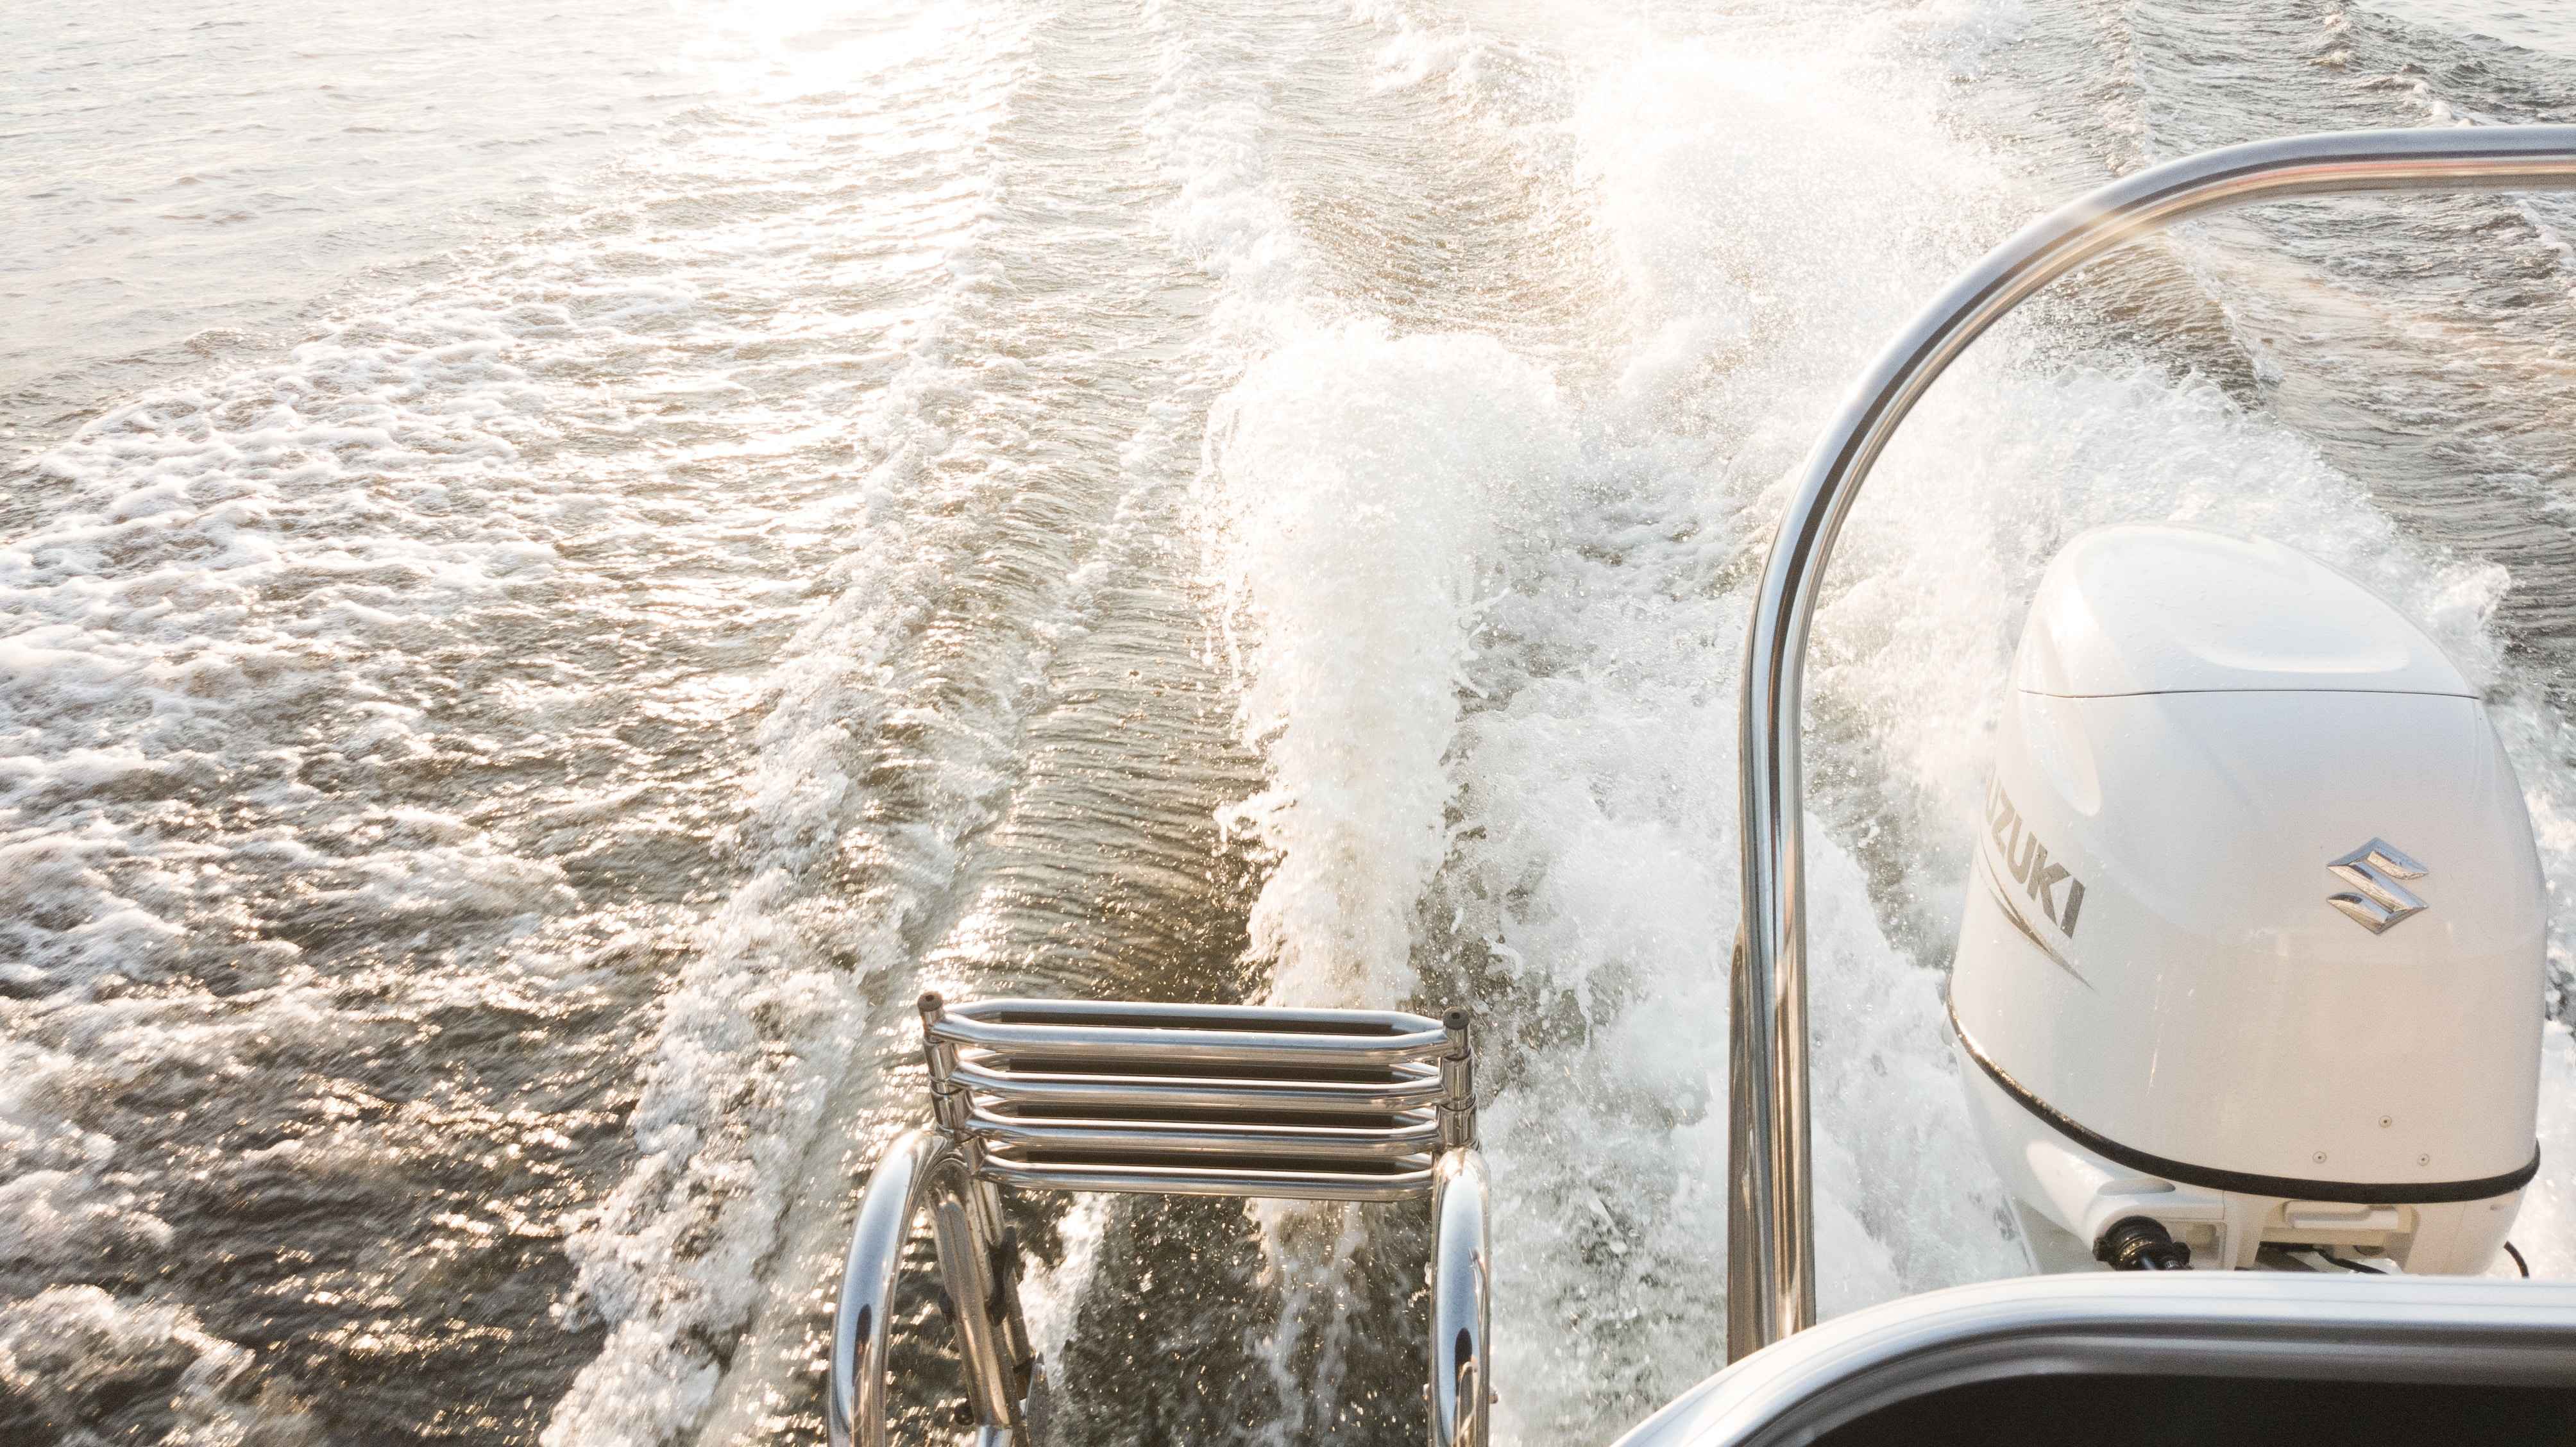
[
  {"x": 1491, "y": 629},
  {"x": 1415, "y": 524},
  {"x": 1487, "y": 619},
  {"x": 1051, "y": 1296},
  {"x": 68, "y": 1347},
  {"x": 2545, "y": 1229},
  {"x": 762, "y": 1023},
  {"x": 241, "y": 585},
  {"x": 59, "y": 1197},
  {"x": 213, "y": 567},
  {"x": 1368, "y": 484}
]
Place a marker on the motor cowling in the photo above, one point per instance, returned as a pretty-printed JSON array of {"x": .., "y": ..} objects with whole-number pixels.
[{"x": 2253, "y": 938}]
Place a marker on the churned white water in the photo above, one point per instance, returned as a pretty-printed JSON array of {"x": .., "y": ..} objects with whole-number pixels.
[{"x": 555, "y": 571}]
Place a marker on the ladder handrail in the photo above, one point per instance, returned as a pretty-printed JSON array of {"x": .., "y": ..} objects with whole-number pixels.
[{"x": 1770, "y": 1208}]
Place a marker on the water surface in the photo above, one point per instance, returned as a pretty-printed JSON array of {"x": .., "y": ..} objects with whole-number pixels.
[{"x": 558, "y": 565}]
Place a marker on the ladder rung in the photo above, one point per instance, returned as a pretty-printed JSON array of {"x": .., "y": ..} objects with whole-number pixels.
[
  {"x": 1168, "y": 1180},
  {"x": 1120, "y": 1137},
  {"x": 1398, "y": 1092},
  {"x": 1264, "y": 1019},
  {"x": 1110, "y": 1045}
]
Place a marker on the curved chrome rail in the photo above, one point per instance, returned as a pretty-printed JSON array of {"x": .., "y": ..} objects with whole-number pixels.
[
  {"x": 1344, "y": 1105},
  {"x": 1770, "y": 1218},
  {"x": 860, "y": 1326},
  {"x": 1462, "y": 1312},
  {"x": 2207, "y": 1326},
  {"x": 977, "y": 1263}
]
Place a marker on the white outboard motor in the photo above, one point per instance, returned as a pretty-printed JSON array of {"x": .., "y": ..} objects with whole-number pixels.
[{"x": 2253, "y": 939}]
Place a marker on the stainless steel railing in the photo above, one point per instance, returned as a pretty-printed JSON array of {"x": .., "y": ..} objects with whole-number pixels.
[
  {"x": 1339, "y": 1105},
  {"x": 1771, "y": 1288},
  {"x": 2214, "y": 1338}
]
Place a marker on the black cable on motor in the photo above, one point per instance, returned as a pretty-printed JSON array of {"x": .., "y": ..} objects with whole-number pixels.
[
  {"x": 2350, "y": 1265},
  {"x": 2523, "y": 1265},
  {"x": 2137, "y": 1243}
]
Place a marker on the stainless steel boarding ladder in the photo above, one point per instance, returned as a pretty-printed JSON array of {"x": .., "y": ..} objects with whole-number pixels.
[{"x": 1179, "y": 1100}]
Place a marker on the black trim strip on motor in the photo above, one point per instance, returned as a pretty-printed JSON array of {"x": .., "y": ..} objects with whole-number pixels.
[{"x": 2291, "y": 1187}]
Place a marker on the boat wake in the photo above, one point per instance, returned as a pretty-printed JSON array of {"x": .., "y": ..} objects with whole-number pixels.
[{"x": 1200, "y": 501}]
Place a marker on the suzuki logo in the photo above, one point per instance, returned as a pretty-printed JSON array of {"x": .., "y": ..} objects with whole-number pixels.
[
  {"x": 2019, "y": 850},
  {"x": 2376, "y": 900}
]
